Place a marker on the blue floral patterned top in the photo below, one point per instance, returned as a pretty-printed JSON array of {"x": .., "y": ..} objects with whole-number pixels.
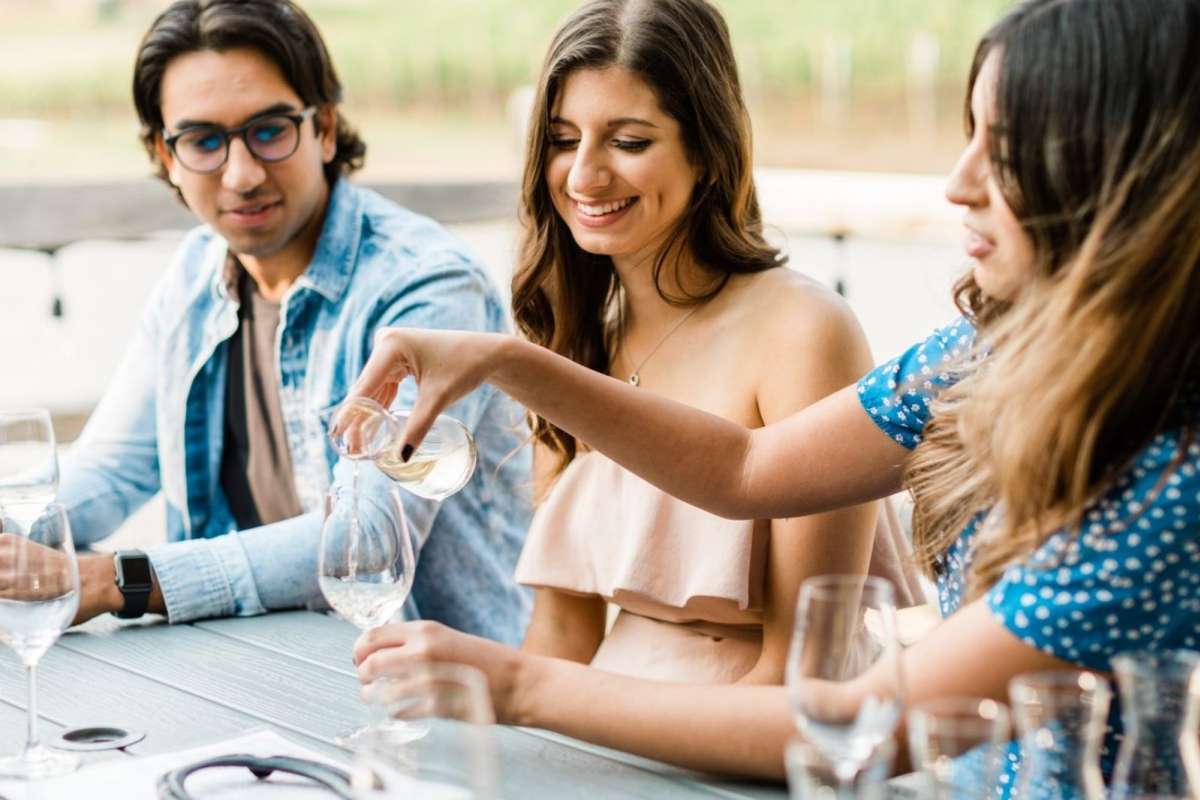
[{"x": 1128, "y": 581}]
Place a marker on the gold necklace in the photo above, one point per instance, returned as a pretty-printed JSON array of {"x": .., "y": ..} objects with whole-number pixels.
[{"x": 635, "y": 379}]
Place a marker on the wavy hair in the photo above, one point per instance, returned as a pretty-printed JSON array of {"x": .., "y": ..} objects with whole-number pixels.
[
  {"x": 563, "y": 297},
  {"x": 1096, "y": 145}
]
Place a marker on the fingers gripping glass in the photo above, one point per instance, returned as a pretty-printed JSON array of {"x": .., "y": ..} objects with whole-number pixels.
[{"x": 271, "y": 137}]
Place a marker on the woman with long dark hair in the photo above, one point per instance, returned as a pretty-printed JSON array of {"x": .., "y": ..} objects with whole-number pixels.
[
  {"x": 1048, "y": 436},
  {"x": 644, "y": 260}
]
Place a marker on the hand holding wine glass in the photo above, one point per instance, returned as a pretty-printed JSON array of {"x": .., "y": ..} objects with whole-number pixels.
[{"x": 39, "y": 595}]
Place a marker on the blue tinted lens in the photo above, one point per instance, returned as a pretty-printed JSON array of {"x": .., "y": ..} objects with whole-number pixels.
[
  {"x": 268, "y": 131},
  {"x": 211, "y": 143},
  {"x": 273, "y": 138}
]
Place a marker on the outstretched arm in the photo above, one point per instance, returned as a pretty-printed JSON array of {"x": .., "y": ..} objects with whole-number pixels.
[
  {"x": 828, "y": 456},
  {"x": 742, "y": 730}
]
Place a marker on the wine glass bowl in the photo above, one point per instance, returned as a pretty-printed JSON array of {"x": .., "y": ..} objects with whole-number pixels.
[
  {"x": 367, "y": 563},
  {"x": 361, "y": 429},
  {"x": 1060, "y": 716},
  {"x": 1158, "y": 736},
  {"x": 845, "y": 628},
  {"x": 28, "y": 461},
  {"x": 958, "y": 745},
  {"x": 39, "y": 596},
  {"x": 455, "y": 755}
]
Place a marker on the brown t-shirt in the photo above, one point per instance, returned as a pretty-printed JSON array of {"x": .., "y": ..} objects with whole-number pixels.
[{"x": 256, "y": 466}]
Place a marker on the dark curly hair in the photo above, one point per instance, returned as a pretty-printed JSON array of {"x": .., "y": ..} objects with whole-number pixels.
[{"x": 278, "y": 29}]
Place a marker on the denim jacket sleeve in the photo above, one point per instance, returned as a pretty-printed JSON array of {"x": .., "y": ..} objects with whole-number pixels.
[
  {"x": 113, "y": 469},
  {"x": 275, "y": 566}
]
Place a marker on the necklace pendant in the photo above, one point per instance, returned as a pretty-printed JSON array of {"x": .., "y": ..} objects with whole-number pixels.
[{"x": 634, "y": 380}]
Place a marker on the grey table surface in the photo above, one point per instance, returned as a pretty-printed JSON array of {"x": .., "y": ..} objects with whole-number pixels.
[{"x": 192, "y": 685}]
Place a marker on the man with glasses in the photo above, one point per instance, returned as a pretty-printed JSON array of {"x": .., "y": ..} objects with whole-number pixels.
[{"x": 266, "y": 315}]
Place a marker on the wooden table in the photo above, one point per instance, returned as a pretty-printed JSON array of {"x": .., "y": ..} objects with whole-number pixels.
[{"x": 190, "y": 685}]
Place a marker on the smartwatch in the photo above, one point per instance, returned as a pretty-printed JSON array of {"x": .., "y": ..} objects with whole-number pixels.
[{"x": 134, "y": 580}]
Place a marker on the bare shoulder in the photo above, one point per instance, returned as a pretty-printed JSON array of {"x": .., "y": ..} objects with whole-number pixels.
[{"x": 793, "y": 313}]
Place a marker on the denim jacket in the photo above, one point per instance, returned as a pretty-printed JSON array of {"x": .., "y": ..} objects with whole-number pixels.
[{"x": 160, "y": 425}]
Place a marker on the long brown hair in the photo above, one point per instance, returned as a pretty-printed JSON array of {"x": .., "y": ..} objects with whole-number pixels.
[
  {"x": 1097, "y": 147},
  {"x": 562, "y": 295}
]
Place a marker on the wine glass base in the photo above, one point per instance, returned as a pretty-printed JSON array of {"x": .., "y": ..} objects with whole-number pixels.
[
  {"x": 38, "y": 762},
  {"x": 398, "y": 731}
]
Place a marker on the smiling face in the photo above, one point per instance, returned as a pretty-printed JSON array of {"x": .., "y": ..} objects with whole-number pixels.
[
  {"x": 617, "y": 168},
  {"x": 1003, "y": 251},
  {"x": 264, "y": 210}
]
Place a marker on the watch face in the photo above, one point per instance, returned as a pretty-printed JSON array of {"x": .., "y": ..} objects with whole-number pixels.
[{"x": 135, "y": 571}]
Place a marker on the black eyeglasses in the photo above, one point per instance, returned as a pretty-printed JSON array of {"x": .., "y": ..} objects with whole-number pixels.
[
  {"x": 170, "y": 785},
  {"x": 271, "y": 137}
]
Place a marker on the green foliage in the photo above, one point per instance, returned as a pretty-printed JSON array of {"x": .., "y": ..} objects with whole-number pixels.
[{"x": 468, "y": 53}]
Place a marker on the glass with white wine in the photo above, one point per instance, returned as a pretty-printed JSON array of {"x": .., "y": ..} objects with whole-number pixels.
[
  {"x": 28, "y": 461},
  {"x": 39, "y": 595},
  {"x": 362, "y": 430},
  {"x": 367, "y": 561}
]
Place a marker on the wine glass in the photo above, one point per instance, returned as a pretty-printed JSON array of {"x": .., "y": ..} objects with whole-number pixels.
[
  {"x": 366, "y": 562},
  {"x": 845, "y": 627},
  {"x": 28, "y": 461},
  {"x": 361, "y": 429},
  {"x": 1061, "y": 716},
  {"x": 958, "y": 744},
  {"x": 457, "y": 756},
  {"x": 39, "y": 595},
  {"x": 1154, "y": 689},
  {"x": 811, "y": 776}
]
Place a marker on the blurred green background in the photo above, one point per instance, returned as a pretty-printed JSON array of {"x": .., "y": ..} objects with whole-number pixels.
[{"x": 849, "y": 84}]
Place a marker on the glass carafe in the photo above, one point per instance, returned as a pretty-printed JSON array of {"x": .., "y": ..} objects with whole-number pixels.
[
  {"x": 1154, "y": 691},
  {"x": 1060, "y": 717},
  {"x": 362, "y": 429}
]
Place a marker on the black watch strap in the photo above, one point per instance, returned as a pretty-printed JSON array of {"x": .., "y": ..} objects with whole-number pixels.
[{"x": 135, "y": 580}]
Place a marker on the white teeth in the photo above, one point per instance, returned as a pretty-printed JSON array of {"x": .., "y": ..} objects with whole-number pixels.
[{"x": 607, "y": 208}]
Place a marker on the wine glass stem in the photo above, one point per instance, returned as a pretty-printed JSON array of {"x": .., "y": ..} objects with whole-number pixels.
[
  {"x": 847, "y": 777},
  {"x": 31, "y": 738}
]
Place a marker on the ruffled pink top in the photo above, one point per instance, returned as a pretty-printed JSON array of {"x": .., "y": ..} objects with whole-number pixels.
[{"x": 689, "y": 584}]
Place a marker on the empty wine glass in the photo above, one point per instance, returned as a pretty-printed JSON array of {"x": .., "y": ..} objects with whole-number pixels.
[
  {"x": 1061, "y": 716},
  {"x": 958, "y": 744},
  {"x": 39, "y": 595},
  {"x": 1189, "y": 741},
  {"x": 28, "y": 461},
  {"x": 811, "y": 776},
  {"x": 1154, "y": 691},
  {"x": 366, "y": 564},
  {"x": 845, "y": 628},
  {"x": 362, "y": 429},
  {"x": 456, "y": 758}
]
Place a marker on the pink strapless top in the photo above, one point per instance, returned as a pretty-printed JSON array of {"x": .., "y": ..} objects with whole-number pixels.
[{"x": 689, "y": 584}]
